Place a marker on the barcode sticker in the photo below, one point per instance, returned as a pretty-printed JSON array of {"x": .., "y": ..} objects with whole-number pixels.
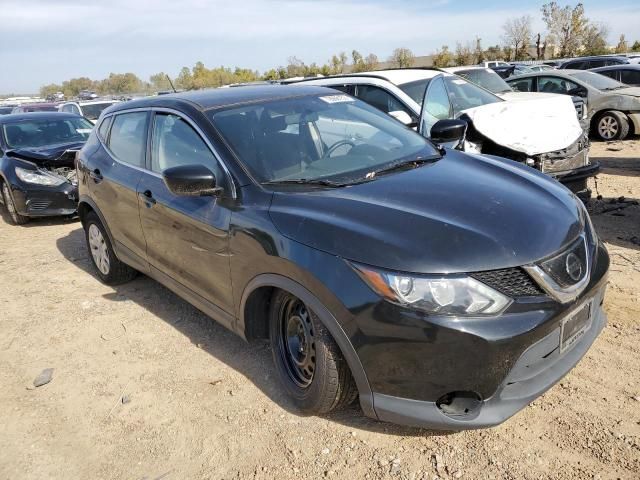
[{"x": 337, "y": 98}]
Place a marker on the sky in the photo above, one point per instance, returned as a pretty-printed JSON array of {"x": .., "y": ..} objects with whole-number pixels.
[{"x": 48, "y": 41}]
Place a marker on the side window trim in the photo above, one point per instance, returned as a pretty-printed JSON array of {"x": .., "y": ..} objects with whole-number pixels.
[{"x": 202, "y": 136}]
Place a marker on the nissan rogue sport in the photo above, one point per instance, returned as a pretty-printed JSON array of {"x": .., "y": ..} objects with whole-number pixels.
[{"x": 442, "y": 289}]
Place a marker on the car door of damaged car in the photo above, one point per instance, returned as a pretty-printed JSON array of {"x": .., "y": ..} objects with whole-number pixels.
[{"x": 187, "y": 236}]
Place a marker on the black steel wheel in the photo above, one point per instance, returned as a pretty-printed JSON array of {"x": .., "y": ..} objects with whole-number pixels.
[
  {"x": 297, "y": 343},
  {"x": 307, "y": 359}
]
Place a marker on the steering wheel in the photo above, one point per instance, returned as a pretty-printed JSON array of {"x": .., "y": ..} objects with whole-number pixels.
[{"x": 337, "y": 145}]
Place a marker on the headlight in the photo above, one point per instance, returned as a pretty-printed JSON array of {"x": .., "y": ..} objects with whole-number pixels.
[
  {"x": 38, "y": 177},
  {"x": 442, "y": 294}
]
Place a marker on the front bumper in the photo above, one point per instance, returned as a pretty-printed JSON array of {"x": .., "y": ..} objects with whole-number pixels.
[
  {"x": 37, "y": 201},
  {"x": 413, "y": 361},
  {"x": 539, "y": 368}
]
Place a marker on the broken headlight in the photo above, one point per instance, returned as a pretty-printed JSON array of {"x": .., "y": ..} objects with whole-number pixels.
[
  {"x": 38, "y": 177},
  {"x": 437, "y": 294}
]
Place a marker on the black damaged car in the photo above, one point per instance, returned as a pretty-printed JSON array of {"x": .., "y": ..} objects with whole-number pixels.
[
  {"x": 443, "y": 289},
  {"x": 37, "y": 163}
]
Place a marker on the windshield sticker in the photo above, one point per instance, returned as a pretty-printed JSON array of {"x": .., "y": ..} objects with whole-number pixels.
[
  {"x": 337, "y": 98},
  {"x": 459, "y": 82},
  {"x": 83, "y": 130}
]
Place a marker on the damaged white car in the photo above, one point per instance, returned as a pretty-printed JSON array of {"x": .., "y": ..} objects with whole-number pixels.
[{"x": 544, "y": 134}]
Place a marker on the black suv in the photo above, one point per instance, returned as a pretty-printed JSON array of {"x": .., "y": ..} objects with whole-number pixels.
[
  {"x": 586, "y": 63},
  {"x": 444, "y": 289}
]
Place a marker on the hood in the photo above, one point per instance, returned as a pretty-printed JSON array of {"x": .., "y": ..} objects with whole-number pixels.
[
  {"x": 60, "y": 155},
  {"x": 462, "y": 213},
  {"x": 532, "y": 127}
]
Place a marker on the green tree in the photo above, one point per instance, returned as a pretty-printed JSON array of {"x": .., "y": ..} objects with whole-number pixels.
[
  {"x": 50, "y": 89},
  {"x": 595, "y": 39},
  {"x": 160, "y": 81},
  {"x": 185, "y": 79},
  {"x": 566, "y": 26},
  {"x": 636, "y": 46},
  {"x": 402, "y": 58},
  {"x": 443, "y": 57}
]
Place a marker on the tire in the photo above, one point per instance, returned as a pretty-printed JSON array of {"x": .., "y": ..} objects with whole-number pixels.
[
  {"x": 16, "y": 218},
  {"x": 110, "y": 270},
  {"x": 325, "y": 382},
  {"x": 611, "y": 125}
]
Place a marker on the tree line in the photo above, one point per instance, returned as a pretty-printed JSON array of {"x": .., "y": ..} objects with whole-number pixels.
[{"x": 568, "y": 31}]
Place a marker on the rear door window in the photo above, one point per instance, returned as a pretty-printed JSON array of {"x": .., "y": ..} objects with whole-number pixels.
[
  {"x": 128, "y": 138},
  {"x": 631, "y": 77},
  {"x": 380, "y": 98}
]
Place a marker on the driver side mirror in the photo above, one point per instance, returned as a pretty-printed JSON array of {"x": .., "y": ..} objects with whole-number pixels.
[
  {"x": 405, "y": 118},
  {"x": 191, "y": 181},
  {"x": 448, "y": 130}
]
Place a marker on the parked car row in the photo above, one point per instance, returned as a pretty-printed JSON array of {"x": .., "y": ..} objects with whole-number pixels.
[
  {"x": 438, "y": 283},
  {"x": 543, "y": 132}
]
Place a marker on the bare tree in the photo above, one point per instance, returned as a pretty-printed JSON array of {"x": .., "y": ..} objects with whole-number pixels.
[
  {"x": 464, "y": 55},
  {"x": 371, "y": 61},
  {"x": 566, "y": 26},
  {"x": 541, "y": 48},
  {"x": 517, "y": 34},
  {"x": 402, "y": 57},
  {"x": 479, "y": 53},
  {"x": 623, "y": 46}
]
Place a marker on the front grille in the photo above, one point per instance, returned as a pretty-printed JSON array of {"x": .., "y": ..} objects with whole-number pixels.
[{"x": 513, "y": 282}]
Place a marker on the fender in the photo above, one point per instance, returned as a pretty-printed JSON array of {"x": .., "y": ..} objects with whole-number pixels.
[
  {"x": 328, "y": 320},
  {"x": 89, "y": 201}
]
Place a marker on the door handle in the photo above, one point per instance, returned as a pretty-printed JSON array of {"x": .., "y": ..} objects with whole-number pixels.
[
  {"x": 147, "y": 197},
  {"x": 96, "y": 175}
]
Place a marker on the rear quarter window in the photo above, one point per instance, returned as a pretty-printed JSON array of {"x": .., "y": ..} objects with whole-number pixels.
[{"x": 128, "y": 138}]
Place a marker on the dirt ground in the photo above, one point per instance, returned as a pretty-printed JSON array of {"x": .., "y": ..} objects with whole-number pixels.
[{"x": 201, "y": 403}]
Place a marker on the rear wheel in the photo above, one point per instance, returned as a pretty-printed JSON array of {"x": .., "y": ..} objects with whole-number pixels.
[
  {"x": 611, "y": 125},
  {"x": 110, "y": 270},
  {"x": 16, "y": 218},
  {"x": 309, "y": 363}
]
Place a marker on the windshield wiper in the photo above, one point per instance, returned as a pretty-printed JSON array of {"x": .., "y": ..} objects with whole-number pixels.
[
  {"x": 305, "y": 181},
  {"x": 416, "y": 162}
]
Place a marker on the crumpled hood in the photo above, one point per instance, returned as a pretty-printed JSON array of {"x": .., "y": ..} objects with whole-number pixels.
[
  {"x": 533, "y": 127},
  {"x": 463, "y": 213},
  {"x": 48, "y": 155},
  {"x": 520, "y": 96}
]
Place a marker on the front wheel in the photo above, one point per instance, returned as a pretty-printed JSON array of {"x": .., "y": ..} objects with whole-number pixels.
[
  {"x": 16, "y": 218},
  {"x": 307, "y": 359},
  {"x": 611, "y": 125},
  {"x": 110, "y": 270}
]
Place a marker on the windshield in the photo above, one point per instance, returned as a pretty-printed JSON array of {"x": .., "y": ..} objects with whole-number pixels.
[
  {"x": 44, "y": 132},
  {"x": 487, "y": 79},
  {"x": 93, "y": 110},
  {"x": 464, "y": 95},
  {"x": 331, "y": 137},
  {"x": 597, "y": 81}
]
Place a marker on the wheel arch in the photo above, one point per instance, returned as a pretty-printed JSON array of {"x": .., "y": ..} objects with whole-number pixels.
[
  {"x": 253, "y": 323},
  {"x": 85, "y": 206}
]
